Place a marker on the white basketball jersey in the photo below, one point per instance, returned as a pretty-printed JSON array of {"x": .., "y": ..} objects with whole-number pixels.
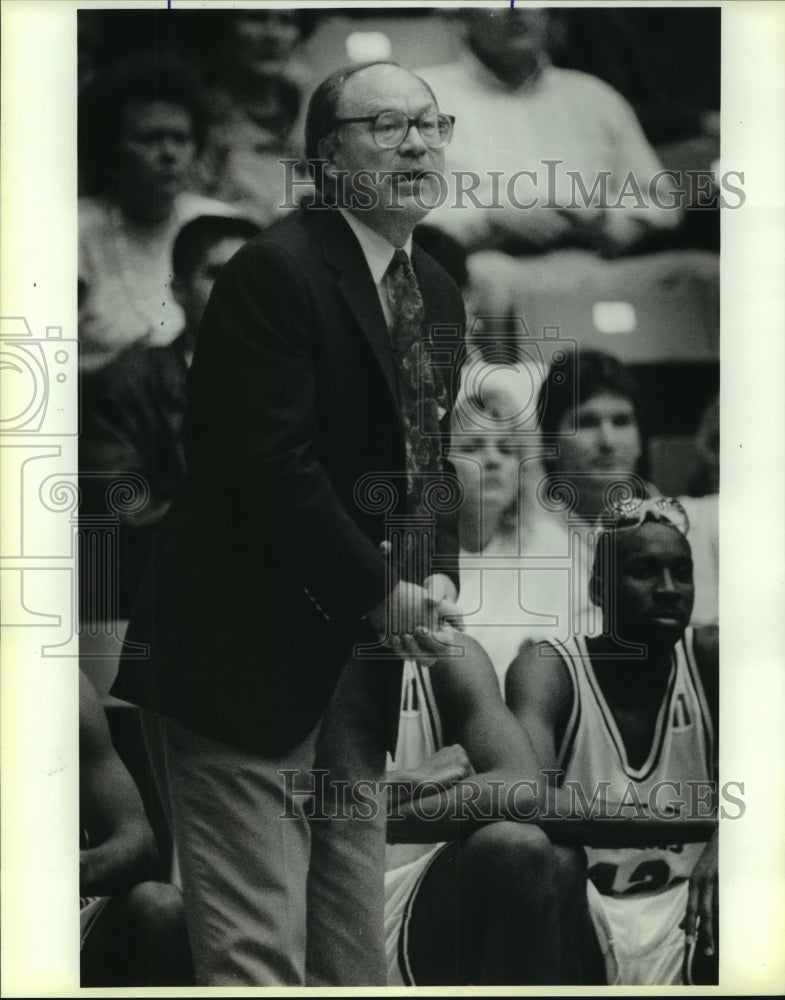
[
  {"x": 593, "y": 757},
  {"x": 419, "y": 737}
]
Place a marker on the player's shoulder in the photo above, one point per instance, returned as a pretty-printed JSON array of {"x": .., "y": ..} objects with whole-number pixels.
[
  {"x": 539, "y": 675},
  {"x": 706, "y": 646},
  {"x": 466, "y": 670}
]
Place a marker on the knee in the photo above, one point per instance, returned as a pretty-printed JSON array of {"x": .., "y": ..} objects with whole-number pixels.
[
  {"x": 569, "y": 867},
  {"x": 158, "y": 904},
  {"x": 514, "y": 855}
]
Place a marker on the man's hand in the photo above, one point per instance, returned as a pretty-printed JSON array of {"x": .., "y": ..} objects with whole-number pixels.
[
  {"x": 703, "y": 899},
  {"x": 442, "y": 590},
  {"x": 411, "y": 622},
  {"x": 446, "y": 767},
  {"x": 416, "y": 621}
]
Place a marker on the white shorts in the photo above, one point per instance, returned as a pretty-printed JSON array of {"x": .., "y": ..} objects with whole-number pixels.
[
  {"x": 400, "y": 891},
  {"x": 640, "y": 937}
]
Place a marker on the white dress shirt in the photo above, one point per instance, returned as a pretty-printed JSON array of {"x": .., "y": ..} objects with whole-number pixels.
[{"x": 378, "y": 254}]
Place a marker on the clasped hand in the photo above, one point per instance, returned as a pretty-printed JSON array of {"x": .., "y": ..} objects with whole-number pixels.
[{"x": 416, "y": 622}]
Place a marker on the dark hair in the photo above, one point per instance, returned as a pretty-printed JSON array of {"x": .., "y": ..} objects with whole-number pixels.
[
  {"x": 304, "y": 20},
  {"x": 197, "y": 236},
  {"x": 137, "y": 78},
  {"x": 584, "y": 375}
]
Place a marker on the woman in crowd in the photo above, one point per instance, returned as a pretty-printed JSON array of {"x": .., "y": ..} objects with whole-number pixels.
[
  {"x": 141, "y": 127},
  {"x": 256, "y": 103},
  {"x": 534, "y": 502}
]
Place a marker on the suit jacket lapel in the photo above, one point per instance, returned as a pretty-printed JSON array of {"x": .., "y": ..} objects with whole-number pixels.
[{"x": 344, "y": 255}]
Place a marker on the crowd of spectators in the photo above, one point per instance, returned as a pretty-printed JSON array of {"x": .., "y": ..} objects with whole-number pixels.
[{"x": 182, "y": 130}]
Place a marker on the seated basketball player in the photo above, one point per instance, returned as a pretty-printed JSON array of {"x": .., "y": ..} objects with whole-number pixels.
[
  {"x": 132, "y": 927},
  {"x": 632, "y": 713},
  {"x": 497, "y": 903}
]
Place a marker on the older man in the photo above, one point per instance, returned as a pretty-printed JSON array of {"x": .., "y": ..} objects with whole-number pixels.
[{"x": 313, "y": 412}]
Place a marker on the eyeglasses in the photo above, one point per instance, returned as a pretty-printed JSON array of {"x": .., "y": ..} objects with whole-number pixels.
[
  {"x": 633, "y": 513},
  {"x": 390, "y": 128}
]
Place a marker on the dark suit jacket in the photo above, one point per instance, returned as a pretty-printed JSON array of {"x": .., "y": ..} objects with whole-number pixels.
[{"x": 267, "y": 561}]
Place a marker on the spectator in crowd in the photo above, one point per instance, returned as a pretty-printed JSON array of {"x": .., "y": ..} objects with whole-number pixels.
[
  {"x": 132, "y": 928},
  {"x": 141, "y": 126},
  {"x": 706, "y": 480},
  {"x": 634, "y": 711},
  {"x": 133, "y": 408},
  {"x": 256, "y": 107},
  {"x": 563, "y": 173},
  {"x": 703, "y": 510},
  {"x": 666, "y": 62},
  {"x": 590, "y": 418},
  {"x": 518, "y": 111},
  {"x": 515, "y": 581}
]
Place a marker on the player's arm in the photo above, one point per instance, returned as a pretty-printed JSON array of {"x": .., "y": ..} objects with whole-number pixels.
[
  {"x": 121, "y": 849},
  {"x": 706, "y": 646},
  {"x": 703, "y": 900},
  {"x": 540, "y": 696},
  {"x": 504, "y": 780}
]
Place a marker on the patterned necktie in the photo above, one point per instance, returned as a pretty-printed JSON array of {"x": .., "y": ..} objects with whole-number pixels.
[{"x": 420, "y": 393}]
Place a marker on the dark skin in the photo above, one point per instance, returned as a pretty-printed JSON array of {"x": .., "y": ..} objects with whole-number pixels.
[
  {"x": 121, "y": 851},
  {"x": 487, "y": 912},
  {"x": 485, "y": 756},
  {"x": 139, "y": 938},
  {"x": 647, "y": 604}
]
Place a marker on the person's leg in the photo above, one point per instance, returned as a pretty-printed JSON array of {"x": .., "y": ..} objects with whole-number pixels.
[
  {"x": 581, "y": 959},
  {"x": 346, "y": 876},
  {"x": 487, "y": 912},
  {"x": 158, "y": 939},
  {"x": 243, "y": 868},
  {"x": 139, "y": 940}
]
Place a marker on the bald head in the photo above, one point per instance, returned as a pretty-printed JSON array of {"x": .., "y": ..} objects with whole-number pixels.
[
  {"x": 326, "y": 104},
  {"x": 389, "y": 186}
]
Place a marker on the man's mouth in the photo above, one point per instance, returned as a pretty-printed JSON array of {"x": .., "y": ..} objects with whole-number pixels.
[
  {"x": 411, "y": 176},
  {"x": 668, "y": 618}
]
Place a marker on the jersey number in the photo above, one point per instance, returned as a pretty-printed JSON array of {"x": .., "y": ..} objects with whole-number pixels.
[{"x": 647, "y": 877}]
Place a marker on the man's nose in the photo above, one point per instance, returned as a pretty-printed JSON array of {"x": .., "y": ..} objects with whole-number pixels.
[
  {"x": 413, "y": 142},
  {"x": 169, "y": 148},
  {"x": 667, "y": 583},
  {"x": 606, "y": 434}
]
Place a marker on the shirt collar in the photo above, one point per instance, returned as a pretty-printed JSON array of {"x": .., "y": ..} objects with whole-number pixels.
[{"x": 376, "y": 250}]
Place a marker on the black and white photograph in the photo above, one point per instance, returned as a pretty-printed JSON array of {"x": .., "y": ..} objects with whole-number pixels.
[{"x": 364, "y": 370}]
